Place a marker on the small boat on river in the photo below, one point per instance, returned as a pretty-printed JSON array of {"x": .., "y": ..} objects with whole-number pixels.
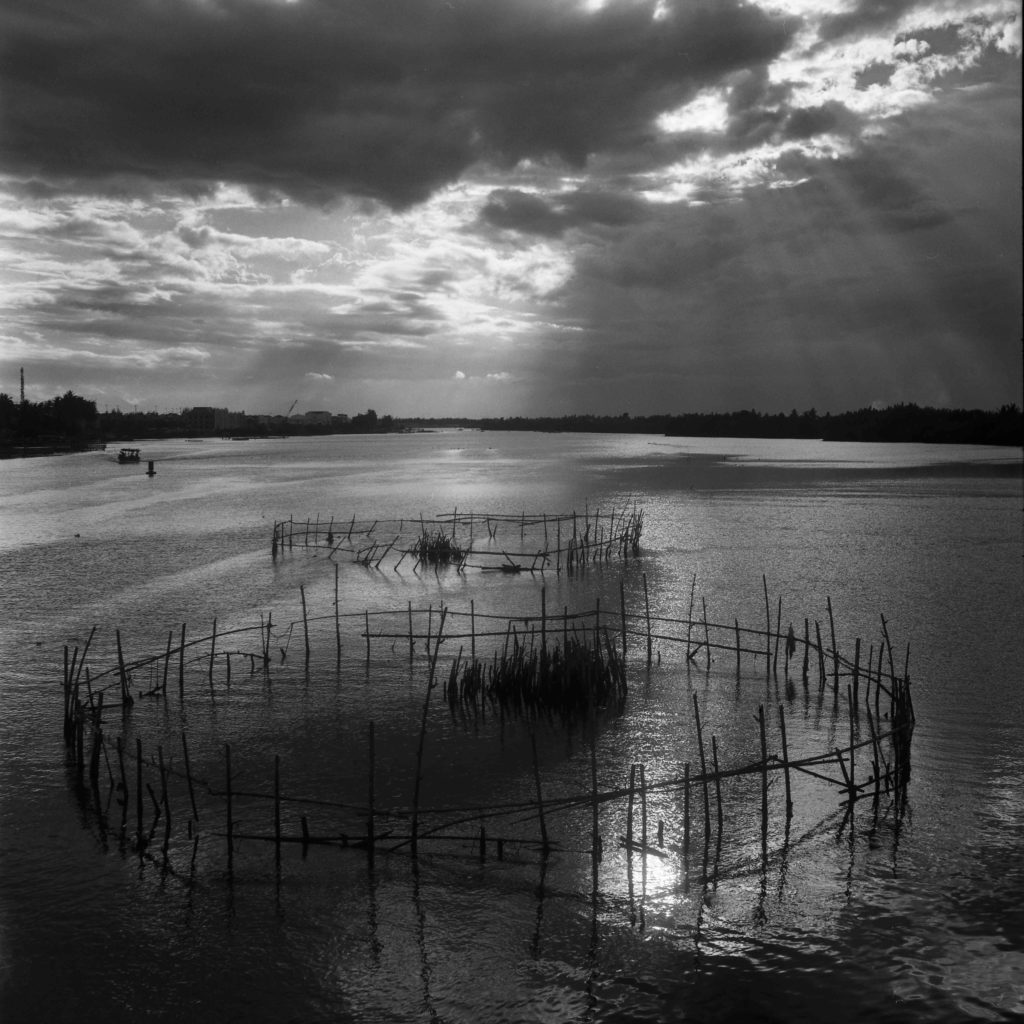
[{"x": 129, "y": 455}]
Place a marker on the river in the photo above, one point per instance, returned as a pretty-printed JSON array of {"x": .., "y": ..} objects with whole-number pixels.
[{"x": 913, "y": 914}]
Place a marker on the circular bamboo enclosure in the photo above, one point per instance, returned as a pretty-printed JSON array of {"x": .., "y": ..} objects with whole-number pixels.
[
  {"x": 565, "y": 667},
  {"x": 566, "y": 542}
]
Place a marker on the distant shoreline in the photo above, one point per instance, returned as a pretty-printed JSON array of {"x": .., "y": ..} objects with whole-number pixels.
[{"x": 892, "y": 425}]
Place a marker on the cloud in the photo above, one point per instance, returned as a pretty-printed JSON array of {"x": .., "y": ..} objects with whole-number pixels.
[
  {"x": 722, "y": 206},
  {"x": 316, "y": 100},
  {"x": 552, "y": 216}
]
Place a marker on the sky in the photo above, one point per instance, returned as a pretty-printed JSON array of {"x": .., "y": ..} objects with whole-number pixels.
[{"x": 511, "y": 207}]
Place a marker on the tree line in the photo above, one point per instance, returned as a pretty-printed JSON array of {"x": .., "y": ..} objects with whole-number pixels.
[
  {"x": 904, "y": 422},
  {"x": 69, "y": 421}
]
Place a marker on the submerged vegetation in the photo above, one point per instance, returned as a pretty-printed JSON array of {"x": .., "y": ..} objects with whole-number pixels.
[
  {"x": 580, "y": 675},
  {"x": 438, "y": 548}
]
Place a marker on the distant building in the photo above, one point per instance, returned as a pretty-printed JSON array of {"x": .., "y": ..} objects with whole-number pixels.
[
  {"x": 204, "y": 419},
  {"x": 313, "y": 418}
]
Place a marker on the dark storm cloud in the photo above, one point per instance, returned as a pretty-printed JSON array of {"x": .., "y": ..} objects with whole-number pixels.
[
  {"x": 530, "y": 214},
  {"x": 316, "y": 99}
]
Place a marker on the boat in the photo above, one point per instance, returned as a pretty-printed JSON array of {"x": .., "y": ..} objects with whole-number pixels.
[{"x": 129, "y": 455}]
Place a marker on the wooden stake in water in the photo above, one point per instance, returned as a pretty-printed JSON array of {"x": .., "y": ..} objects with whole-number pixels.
[
  {"x": 686, "y": 810},
  {"x": 188, "y": 776},
  {"x": 305, "y": 620},
  {"x": 835, "y": 649},
  {"x": 643, "y": 808},
  {"x": 167, "y": 658},
  {"x": 736, "y": 623},
  {"x": 778, "y": 637},
  {"x": 164, "y": 800},
  {"x": 622, "y": 613},
  {"x": 707, "y": 635},
  {"x": 718, "y": 784},
  {"x": 647, "y": 616},
  {"x": 856, "y": 669},
  {"x": 337, "y": 619},
  {"x": 125, "y": 696},
  {"x": 423, "y": 734},
  {"x": 629, "y": 810},
  {"x": 213, "y": 650},
  {"x": 767, "y": 629},
  {"x": 785, "y": 762},
  {"x": 764, "y": 781},
  {"x": 703, "y": 768}
]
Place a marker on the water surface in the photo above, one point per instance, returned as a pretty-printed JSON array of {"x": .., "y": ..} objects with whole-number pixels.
[{"x": 913, "y": 917}]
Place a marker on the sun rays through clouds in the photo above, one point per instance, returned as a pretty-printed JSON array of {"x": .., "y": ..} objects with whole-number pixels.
[{"x": 532, "y": 207}]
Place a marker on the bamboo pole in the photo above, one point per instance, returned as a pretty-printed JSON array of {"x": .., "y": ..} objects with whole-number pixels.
[
  {"x": 164, "y": 800},
  {"x": 629, "y": 811},
  {"x": 647, "y": 616},
  {"x": 821, "y": 657},
  {"x": 643, "y": 808},
  {"x": 213, "y": 649},
  {"x": 849, "y": 695},
  {"x": 686, "y": 810},
  {"x": 423, "y": 734},
  {"x": 188, "y": 776},
  {"x": 305, "y": 619},
  {"x": 767, "y": 628},
  {"x": 125, "y": 696},
  {"x": 337, "y": 617},
  {"x": 622, "y": 613},
  {"x": 167, "y": 658},
  {"x": 856, "y": 669},
  {"x": 718, "y": 784},
  {"x": 835, "y": 648},
  {"x": 124, "y": 785},
  {"x": 707, "y": 636},
  {"x": 778, "y": 636},
  {"x": 785, "y": 762},
  {"x": 807, "y": 649},
  {"x": 703, "y": 768},
  {"x": 764, "y": 781}
]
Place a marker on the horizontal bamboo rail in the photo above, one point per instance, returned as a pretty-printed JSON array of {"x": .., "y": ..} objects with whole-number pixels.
[{"x": 566, "y": 541}]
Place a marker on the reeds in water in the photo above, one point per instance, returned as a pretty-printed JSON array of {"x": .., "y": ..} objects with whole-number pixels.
[
  {"x": 530, "y": 678},
  {"x": 438, "y": 548}
]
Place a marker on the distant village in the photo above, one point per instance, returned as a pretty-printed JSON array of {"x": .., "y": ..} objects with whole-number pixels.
[{"x": 70, "y": 423}]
